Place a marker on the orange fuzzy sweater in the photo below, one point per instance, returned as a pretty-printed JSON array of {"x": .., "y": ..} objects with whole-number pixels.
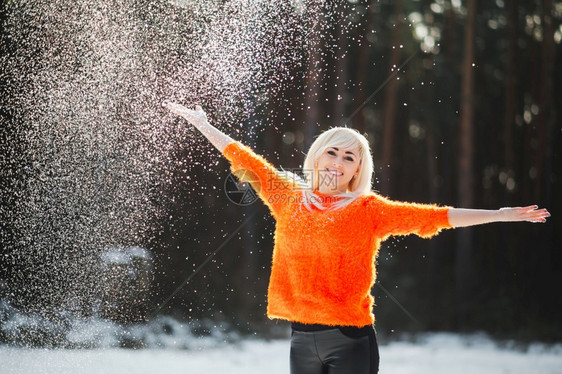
[{"x": 324, "y": 260}]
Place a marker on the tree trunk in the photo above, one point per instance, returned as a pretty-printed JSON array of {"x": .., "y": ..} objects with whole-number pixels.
[
  {"x": 463, "y": 271},
  {"x": 313, "y": 79},
  {"x": 341, "y": 52},
  {"x": 389, "y": 111},
  {"x": 545, "y": 116},
  {"x": 511, "y": 86},
  {"x": 450, "y": 55},
  {"x": 359, "y": 122}
]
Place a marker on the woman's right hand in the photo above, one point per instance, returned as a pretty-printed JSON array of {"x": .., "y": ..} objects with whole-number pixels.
[{"x": 196, "y": 117}]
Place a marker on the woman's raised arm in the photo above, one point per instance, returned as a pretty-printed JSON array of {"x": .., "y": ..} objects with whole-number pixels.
[
  {"x": 198, "y": 118},
  {"x": 470, "y": 217}
]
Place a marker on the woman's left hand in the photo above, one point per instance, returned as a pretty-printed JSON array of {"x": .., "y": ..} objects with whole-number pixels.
[{"x": 529, "y": 214}]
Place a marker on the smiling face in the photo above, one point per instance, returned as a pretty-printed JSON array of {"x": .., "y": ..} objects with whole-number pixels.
[
  {"x": 337, "y": 166},
  {"x": 340, "y": 161}
]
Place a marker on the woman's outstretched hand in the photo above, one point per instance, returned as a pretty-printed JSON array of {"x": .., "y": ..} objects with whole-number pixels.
[
  {"x": 529, "y": 214},
  {"x": 196, "y": 117},
  {"x": 459, "y": 217}
]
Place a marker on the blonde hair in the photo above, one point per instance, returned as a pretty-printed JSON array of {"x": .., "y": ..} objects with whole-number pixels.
[{"x": 338, "y": 137}]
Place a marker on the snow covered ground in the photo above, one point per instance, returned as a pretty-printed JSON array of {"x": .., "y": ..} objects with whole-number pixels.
[{"x": 432, "y": 353}]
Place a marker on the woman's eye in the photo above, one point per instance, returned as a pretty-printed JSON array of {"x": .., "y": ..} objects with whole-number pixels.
[
  {"x": 349, "y": 159},
  {"x": 332, "y": 153}
]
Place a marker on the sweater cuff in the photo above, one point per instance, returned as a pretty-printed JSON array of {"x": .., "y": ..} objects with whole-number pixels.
[{"x": 231, "y": 150}]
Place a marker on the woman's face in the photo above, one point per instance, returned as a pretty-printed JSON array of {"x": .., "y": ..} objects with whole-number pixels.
[{"x": 336, "y": 168}]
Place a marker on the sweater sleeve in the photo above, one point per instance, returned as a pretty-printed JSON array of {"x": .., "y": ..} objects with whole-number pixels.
[
  {"x": 274, "y": 187},
  {"x": 400, "y": 218}
]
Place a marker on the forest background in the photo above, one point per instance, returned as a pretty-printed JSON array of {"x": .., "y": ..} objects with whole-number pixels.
[{"x": 460, "y": 101}]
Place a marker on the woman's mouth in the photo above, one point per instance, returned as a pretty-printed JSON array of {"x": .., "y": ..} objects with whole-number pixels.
[{"x": 335, "y": 172}]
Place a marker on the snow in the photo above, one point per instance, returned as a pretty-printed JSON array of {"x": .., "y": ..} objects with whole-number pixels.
[
  {"x": 428, "y": 353},
  {"x": 453, "y": 354},
  {"x": 125, "y": 256}
]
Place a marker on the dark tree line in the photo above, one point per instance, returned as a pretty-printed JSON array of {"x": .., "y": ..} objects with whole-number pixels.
[{"x": 468, "y": 118}]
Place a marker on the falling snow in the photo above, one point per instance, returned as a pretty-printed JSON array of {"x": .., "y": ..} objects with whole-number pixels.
[
  {"x": 90, "y": 157},
  {"x": 89, "y": 150}
]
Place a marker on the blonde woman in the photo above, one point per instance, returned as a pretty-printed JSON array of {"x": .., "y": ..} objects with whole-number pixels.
[{"x": 328, "y": 231}]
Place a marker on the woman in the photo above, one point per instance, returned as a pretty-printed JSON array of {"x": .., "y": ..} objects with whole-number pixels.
[{"x": 328, "y": 232}]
